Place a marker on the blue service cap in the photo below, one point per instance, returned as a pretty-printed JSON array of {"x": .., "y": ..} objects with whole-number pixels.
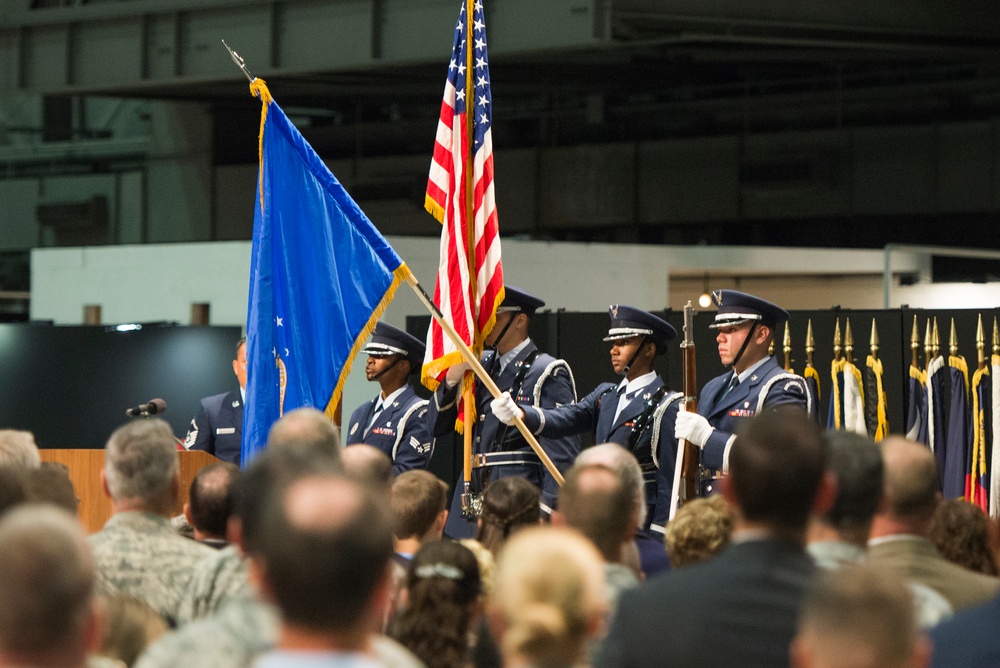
[
  {"x": 387, "y": 340},
  {"x": 738, "y": 307},
  {"x": 519, "y": 301},
  {"x": 628, "y": 321}
]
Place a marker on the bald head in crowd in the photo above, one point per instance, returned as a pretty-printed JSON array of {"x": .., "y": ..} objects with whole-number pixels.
[
  {"x": 596, "y": 502},
  {"x": 912, "y": 486},
  {"x": 620, "y": 460},
  {"x": 324, "y": 560},
  {"x": 367, "y": 464},
  {"x": 141, "y": 470},
  {"x": 48, "y": 615},
  {"x": 305, "y": 425},
  {"x": 18, "y": 450}
]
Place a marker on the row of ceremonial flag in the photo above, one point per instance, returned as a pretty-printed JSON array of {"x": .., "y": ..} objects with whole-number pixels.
[
  {"x": 321, "y": 274},
  {"x": 956, "y": 415}
]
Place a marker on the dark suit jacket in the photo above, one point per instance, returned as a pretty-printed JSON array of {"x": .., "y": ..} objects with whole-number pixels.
[
  {"x": 969, "y": 639},
  {"x": 725, "y": 414},
  {"x": 596, "y": 412},
  {"x": 738, "y": 609},
  {"x": 399, "y": 431},
  {"x": 218, "y": 427}
]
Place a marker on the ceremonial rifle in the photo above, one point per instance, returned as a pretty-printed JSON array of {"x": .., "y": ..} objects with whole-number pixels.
[{"x": 687, "y": 468}]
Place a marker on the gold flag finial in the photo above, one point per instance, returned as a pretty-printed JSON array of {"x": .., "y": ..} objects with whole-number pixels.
[
  {"x": 786, "y": 347},
  {"x": 874, "y": 342},
  {"x": 914, "y": 343},
  {"x": 953, "y": 340},
  {"x": 980, "y": 343},
  {"x": 848, "y": 341},
  {"x": 927, "y": 343},
  {"x": 810, "y": 342},
  {"x": 996, "y": 337},
  {"x": 935, "y": 339},
  {"x": 836, "y": 341}
]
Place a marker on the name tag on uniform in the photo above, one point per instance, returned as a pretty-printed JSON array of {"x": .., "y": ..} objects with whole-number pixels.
[{"x": 225, "y": 430}]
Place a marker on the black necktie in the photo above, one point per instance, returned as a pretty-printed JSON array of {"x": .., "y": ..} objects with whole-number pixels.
[{"x": 732, "y": 386}]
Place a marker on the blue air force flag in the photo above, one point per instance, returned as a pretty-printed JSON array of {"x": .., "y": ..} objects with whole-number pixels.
[{"x": 320, "y": 277}]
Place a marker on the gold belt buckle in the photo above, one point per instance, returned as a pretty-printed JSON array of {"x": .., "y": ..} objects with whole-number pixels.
[{"x": 479, "y": 461}]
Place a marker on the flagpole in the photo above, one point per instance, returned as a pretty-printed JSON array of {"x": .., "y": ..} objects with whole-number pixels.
[
  {"x": 473, "y": 361},
  {"x": 468, "y": 396}
]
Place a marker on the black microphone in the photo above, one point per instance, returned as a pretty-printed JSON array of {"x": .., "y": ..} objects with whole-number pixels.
[{"x": 145, "y": 410}]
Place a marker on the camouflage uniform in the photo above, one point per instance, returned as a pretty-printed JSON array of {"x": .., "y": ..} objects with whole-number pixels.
[
  {"x": 236, "y": 635},
  {"x": 215, "y": 580},
  {"x": 231, "y": 638},
  {"x": 139, "y": 554}
]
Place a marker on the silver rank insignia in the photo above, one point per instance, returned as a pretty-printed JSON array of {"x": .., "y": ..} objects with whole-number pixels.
[{"x": 354, "y": 428}]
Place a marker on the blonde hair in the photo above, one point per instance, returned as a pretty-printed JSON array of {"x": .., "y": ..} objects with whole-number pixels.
[
  {"x": 551, "y": 594},
  {"x": 699, "y": 531}
]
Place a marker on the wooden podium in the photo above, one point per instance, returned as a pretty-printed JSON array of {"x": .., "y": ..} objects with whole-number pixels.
[{"x": 85, "y": 471}]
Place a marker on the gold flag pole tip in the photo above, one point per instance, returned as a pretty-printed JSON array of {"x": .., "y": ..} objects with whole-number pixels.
[{"x": 239, "y": 62}]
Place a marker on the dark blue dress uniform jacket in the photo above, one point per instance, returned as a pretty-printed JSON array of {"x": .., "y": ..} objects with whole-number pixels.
[
  {"x": 655, "y": 449},
  {"x": 548, "y": 383},
  {"x": 218, "y": 427},
  {"x": 769, "y": 386},
  {"x": 400, "y": 431}
]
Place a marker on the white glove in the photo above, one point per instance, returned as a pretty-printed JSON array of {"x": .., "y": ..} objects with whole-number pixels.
[
  {"x": 692, "y": 428},
  {"x": 505, "y": 409},
  {"x": 455, "y": 373}
]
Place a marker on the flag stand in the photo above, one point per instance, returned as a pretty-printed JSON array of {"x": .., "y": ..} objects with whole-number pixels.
[{"x": 483, "y": 376}]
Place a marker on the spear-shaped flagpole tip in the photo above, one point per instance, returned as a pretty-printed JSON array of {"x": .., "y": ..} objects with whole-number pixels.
[
  {"x": 935, "y": 339},
  {"x": 980, "y": 342},
  {"x": 996, "y": 338},
  {"x": 238, "y": 59},
  {"x": 848, "y": 341},
  {"x": 836, "y": 340},
  {"x": 953, "y": 340},
  {"x": 873, "y": 341}
]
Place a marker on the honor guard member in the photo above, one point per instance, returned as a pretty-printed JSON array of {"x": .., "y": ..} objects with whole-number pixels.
[
  {"x": 218, "y": 426},
  {"x": 746, "y": 327},
  {"x": 637, "y": 413},
  {"x": 395, "y": 421},
  {"x": 535, "y": 378}
]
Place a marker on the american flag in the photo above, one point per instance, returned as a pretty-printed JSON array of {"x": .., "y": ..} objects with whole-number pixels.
[{"x": 460, "y": 195}]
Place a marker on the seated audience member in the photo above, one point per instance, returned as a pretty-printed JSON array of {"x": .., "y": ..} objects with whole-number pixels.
[
  {"x": 419, "y": 503},
  {"x": 964, "y": 535},
  {"x": 740, "y": 608},
  {"x": 18, "y": 450},
  {"x": 211, "y": 503},
  {"x": 595, "y": 501},
  {"x": 442, "y": 604},
  {"x": 899, "y": 531},
  {"x": 50, "y": 483},
  {"x": 368, "y": 465},
  {"x": 305, "y": 440},
  {"x": 509, "y": 504},
  {"x": 323, "y": 561},
  {"x": 859, "y": 616},
  {"x": 699, "y": 531},
  {"x": 839, "y": 536},
  {"x": 131, "y": 627},
  {"x": 12, "y": 489},
  {"x": 49, "y": 615},
  {"x": 137, "y": 552},
  {"x": 651, "y": 554},
  {"x": 305, "y": 425},
  {"x": 230, "y": 629},
  {"x": 550, "y": 600}
]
